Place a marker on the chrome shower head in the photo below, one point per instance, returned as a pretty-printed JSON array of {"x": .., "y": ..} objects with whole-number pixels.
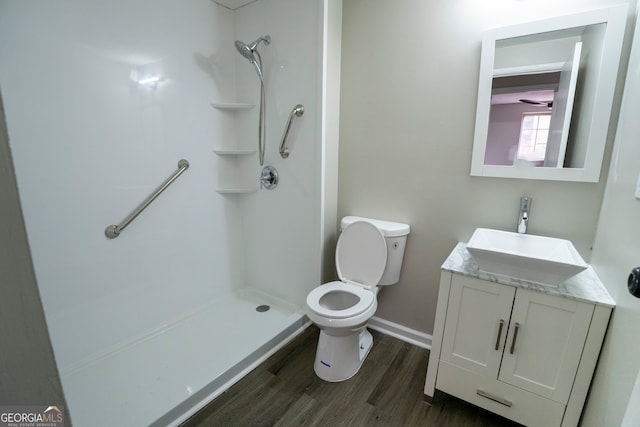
[
  {"x": 244, "y": 50},
  {"x": 249, "y": 51}
]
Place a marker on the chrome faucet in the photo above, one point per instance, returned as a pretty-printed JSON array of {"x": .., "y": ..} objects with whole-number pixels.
[{"x": 523, "y": 216}]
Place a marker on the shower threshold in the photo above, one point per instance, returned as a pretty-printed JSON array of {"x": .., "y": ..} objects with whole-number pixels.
[{"x": 165, "y": 377}]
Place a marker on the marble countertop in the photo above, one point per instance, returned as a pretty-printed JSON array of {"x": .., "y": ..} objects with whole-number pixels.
[{"x": 584, "y": 286}]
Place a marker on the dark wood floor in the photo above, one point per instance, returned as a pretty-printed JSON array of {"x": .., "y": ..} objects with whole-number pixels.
[{"x": 388, "y": 391}]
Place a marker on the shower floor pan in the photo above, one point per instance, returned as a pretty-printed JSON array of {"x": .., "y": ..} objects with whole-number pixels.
[{"x": 165, "y": 377}]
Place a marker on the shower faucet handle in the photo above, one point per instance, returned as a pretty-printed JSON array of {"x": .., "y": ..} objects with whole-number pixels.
[{"x": 269, "y": 178}]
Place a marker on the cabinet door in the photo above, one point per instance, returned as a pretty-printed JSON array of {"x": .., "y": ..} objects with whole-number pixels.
[
  {"x": 476, "y": 324},
  {"x": 544, "y": 343}
]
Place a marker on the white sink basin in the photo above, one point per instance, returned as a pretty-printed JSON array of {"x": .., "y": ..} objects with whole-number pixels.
[{"x": 537, "y": 259}]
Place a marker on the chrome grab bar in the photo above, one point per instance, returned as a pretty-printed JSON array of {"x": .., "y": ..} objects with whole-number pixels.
[
  {"x": 297, "y": 111},
  {"x": 113, "y": 231}
]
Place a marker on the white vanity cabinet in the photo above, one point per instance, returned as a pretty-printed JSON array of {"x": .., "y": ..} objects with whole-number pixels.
[{"x": 518, "y": 349}]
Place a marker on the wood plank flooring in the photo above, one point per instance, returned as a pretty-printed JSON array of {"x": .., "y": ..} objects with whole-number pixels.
[{"x": 388, "y": 391}]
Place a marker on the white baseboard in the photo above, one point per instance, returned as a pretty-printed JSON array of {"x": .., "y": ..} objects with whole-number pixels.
[{"x": 403, "y": 333}]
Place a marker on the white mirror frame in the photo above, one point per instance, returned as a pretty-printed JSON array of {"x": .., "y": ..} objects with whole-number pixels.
[{"x": 615, "y": 20}]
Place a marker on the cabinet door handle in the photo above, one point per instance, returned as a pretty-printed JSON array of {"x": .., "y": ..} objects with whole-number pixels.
[
  {"x": 493, "y": 397},
  {"x": 499, "y": 334},
  {"x": 515, "y": 337}
]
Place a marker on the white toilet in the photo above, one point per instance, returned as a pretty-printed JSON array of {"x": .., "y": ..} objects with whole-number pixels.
[{"x": 369, "y": 254}]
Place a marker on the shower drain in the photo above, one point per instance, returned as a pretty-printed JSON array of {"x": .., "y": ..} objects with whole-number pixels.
[{"x": 262, "y": 308}]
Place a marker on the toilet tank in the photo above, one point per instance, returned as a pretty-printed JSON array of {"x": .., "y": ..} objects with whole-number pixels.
[{"x": 395, "y": 234}]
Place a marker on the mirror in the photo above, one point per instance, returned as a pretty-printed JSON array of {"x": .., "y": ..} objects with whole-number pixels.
[{"x": 545, "y": 94}]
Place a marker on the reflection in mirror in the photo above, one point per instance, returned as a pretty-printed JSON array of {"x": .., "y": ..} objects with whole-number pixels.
[
  {"x": 545, "y": 95},
  {"x": 533, "y": 89}
]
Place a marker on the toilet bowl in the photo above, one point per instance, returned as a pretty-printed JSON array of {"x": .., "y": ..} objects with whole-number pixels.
[
  {"x": 369, "y": 254},
  {"x": 339, "y": 305}
]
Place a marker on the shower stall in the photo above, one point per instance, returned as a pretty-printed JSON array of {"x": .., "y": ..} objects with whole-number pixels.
[{"x": 102, "y": 99}]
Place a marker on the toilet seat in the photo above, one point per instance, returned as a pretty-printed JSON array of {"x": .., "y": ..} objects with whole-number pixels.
[
  {"x": 366, "y": 298},
  {"x": 361, "y": 257}
]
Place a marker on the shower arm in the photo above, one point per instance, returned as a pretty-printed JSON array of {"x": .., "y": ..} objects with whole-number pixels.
[{"x": 297, "y": 111}]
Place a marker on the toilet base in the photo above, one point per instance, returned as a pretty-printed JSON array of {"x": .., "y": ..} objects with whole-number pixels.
[{"x": 338, "y": 358}]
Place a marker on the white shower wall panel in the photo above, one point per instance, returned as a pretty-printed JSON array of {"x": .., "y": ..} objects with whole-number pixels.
[
  {"x": 282, "y": 226},
  {"x": 89, "y": 143}
]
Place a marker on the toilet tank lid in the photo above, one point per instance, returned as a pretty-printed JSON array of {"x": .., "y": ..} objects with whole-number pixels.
[{"x": 388, "y": 228}]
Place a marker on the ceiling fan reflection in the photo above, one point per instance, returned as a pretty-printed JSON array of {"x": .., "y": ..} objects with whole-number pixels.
[{"x": 548, "y": 104}]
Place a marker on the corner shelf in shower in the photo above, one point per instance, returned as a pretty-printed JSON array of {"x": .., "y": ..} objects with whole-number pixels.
[
  {"x": 233, "y": 151},
  {"x": 231, "y": 185},
  {"x": 236, "y": 190},
  {"x": 232, "y": 106}
]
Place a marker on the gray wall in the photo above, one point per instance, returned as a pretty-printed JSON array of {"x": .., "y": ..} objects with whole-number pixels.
[
  {"x": 408, "y": 96},
  {"x": 28, "y": 375}
]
